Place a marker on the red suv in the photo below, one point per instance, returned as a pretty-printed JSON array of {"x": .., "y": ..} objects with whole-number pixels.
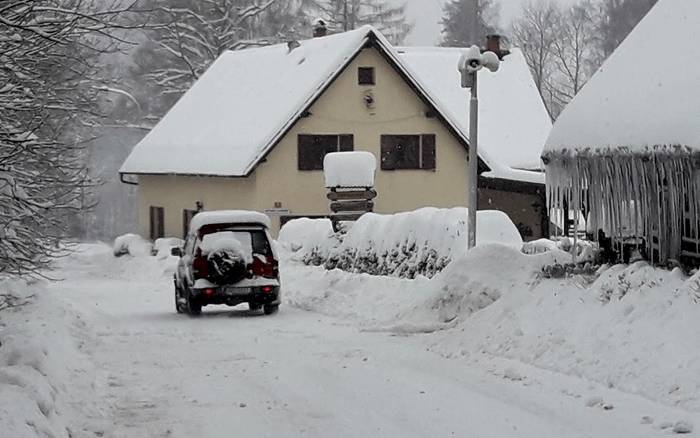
[{"x": 228, "y": 258}]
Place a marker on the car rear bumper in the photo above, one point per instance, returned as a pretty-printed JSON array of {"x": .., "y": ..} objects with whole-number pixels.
[{"x": 234, "y": 295}]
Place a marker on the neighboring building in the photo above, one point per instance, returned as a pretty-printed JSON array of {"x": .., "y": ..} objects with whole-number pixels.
[
  {"x": 253, "y": 131},
  {"x": 626, "y": 151}
]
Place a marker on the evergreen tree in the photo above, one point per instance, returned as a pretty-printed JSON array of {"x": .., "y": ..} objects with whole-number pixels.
[
  {"x": 618, "y": 18},
  {"x": 345, "y": 15},
  {"x": 468, "y": 22}
]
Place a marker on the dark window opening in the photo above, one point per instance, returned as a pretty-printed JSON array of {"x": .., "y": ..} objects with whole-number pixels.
[
  {"x": 408, "y": 152},
  {"x": 312, "y": 149},
  {"x": 187, "y": 216},
  {"x": 157, "y": 222},
  {"x": 365, "y": 76}
]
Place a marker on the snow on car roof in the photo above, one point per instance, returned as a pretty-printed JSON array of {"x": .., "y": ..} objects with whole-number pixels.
[
  {"x": 647, "y": 94},
  {"x": 244, "y": 103},
  {"x": 228, "y": 217}
]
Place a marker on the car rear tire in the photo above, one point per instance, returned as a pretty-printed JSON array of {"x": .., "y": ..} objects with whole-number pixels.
[
  {"x": 178, "y": 306},
  {"x": 271, "y": 309},
  {"x": 194, "y": 308}
]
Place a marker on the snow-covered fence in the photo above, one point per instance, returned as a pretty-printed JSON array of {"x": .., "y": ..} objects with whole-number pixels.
[{"x": 406, "y": 245}]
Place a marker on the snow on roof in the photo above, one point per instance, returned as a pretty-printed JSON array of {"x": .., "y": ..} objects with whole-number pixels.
[
  {"x": 223, "y": 124},
  {"x": 247, "y": 99},
  {"x": 513, "y": 121},
  {"x": 228, "y": 217},
  {"x": 350, "y": 169},
  {"x": 647, "y": 94}
]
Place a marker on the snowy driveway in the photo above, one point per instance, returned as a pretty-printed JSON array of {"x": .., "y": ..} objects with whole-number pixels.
[{"x": 299, "y": 373}]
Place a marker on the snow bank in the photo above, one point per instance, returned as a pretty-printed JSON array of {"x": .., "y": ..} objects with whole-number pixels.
[
  {"x": 404, "y": 245},
  {"x": 634, "y": 328},
  {"x": 162, "y": 247},
  {"x": 44, "y": 378},
  {"x": 349, "y": 169},
  {"x": 131, "y": 244}
]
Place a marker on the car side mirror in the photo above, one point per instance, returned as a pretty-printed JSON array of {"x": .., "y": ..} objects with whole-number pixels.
[{"x": 176, "y": 252}]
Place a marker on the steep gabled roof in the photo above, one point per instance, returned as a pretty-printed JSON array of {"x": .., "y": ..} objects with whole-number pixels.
[
  {"x": 647, "y": 94},
  {"x": 248, "y": 100}
]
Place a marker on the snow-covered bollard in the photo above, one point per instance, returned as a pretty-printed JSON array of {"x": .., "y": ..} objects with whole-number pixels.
[{"x": 350, "y": 181}]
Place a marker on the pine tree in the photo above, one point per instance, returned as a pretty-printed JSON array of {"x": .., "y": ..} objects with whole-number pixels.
[
  {"x": 345, "y": 15},
  {"x": 467, "y": 22},
  {"x": 619, "y": 17}
]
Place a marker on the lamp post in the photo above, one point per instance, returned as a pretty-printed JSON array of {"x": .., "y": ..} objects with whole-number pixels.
[{"x": 470, "y": 63}]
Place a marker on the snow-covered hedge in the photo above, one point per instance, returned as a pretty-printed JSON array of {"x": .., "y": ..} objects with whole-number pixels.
[{"x": 406, "y": 245}]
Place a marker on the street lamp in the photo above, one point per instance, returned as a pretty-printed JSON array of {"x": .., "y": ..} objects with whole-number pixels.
[{"x": 470, "y": 63}]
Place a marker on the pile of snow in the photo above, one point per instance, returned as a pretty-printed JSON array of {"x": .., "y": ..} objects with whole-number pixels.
[
  {"x": 403, "y": 245},
  {"x": 349, "y": 169},
  {"x": 131, "y": 244},
  {"x": 45, "y": 381},
  {"x": 584, "y": 250}
]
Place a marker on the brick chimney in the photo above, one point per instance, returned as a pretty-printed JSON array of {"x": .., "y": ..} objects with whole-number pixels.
[
  {"x": 320, "y": 28},
  {"x": 493, "y": 44}
]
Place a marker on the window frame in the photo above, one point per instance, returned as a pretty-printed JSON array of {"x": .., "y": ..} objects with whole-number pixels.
[
  {"x": 305, "y": 163},
  {"x": 187, "y": 215},
  {"x": 426, "y": 153},
  {"x": 364, "y": 80},
  {"x": 156, "y": 222}
]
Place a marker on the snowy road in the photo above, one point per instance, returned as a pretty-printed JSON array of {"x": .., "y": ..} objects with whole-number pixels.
[{"x": 298, "y": 373}]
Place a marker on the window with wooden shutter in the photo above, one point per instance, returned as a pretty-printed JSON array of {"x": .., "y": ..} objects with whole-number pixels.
[
  {"x": 408, "y": 152},
  {"x": 157, "y": 216},
  {"x": 312, "y": 149}
]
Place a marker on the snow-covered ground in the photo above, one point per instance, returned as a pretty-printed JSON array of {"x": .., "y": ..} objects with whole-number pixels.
[{"x": 485, "y": 348}]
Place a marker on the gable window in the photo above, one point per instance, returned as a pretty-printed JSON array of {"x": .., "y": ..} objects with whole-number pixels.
[
  {"x": 408, "y": 152},
  {"x": 157, "y": 222},
  {"x": 187, "y": 216},
  {"x": 312, "y": 149},
  {"x": 365, "y": 76}
]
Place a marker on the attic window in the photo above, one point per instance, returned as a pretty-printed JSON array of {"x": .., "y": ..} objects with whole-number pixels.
[
  {"x": 313, "y": 149},
  {"x": 365, "y": 76}
]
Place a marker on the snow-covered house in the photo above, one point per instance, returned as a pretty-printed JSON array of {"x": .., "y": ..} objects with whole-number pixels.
[
  {"x": 253, "y": 131},
  {"x": 626, "y": 151}
]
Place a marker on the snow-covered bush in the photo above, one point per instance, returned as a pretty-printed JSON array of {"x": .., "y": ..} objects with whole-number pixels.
[
  {"x": 406, "y": 245},
  {"x": 131, "y": 244},
  {"x": 162, "y": 247},
  {"x": 309, "y": 239}
]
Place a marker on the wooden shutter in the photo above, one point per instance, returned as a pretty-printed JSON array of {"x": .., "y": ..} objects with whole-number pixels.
[
  {"x": 346, "y": 143},
  {"x": 187, "y": 216},
  {"x": 428, "y": 159},
  {"x": 306, "y": 152},
  {"x": 157, "y": 216},
  {"x": 387, "y": 146}
]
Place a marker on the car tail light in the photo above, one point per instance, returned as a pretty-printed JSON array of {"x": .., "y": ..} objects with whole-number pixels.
[
  {"x": 267, "y": 289},
  {"x": 267, "y": 267},
  {"x": 200, "y": 267}
]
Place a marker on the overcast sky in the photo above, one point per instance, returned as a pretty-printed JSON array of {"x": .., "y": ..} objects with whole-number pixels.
[{"x": 426, "y": 14}]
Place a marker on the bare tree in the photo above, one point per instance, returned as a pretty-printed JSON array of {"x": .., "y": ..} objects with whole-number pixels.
[
  {"x": 575, "y": 53},
  {"x": 535, "y": 33},
  {"x": 49, "y": 52}
]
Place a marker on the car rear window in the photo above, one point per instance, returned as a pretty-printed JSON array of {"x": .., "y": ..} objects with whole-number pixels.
[{"x": 254, "y": 238}]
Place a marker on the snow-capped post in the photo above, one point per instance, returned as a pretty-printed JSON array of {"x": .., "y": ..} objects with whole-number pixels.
[
  {"x": 350, "y": 183},
  {"x": 470, "y": 63}
]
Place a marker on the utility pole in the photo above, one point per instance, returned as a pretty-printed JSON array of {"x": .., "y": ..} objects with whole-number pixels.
[{"x": 469, "y": 65}]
